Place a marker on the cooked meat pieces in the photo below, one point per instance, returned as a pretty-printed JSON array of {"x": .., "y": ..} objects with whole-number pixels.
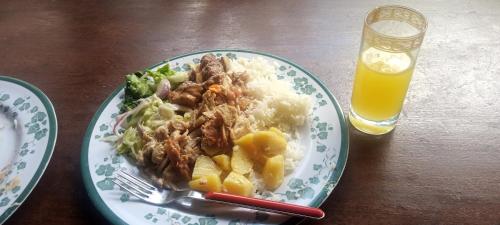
[
  {"x": 178, "y": 125},
  {"x": 212, "y": 99},
  {"x": 195, "y": 75},
  {"x": 215, "y": 79},
  {"x": 157, "y": 153},
  {"x": 207, "y": 59},
  {"x": 179, "y": 158},
  {"x": 210, "y": 66},
  {"x": 212, "y": 131},
  {"x": 228, "y": 113},
  {"x": 187, "y": 94},
  {"x": 225, "y": 63},
  {"x": 162, "y": 132},
  {"x": 216, "y": 131},
  {"x": 238, "y": 79},
  {"x": 217, "y": 97}
]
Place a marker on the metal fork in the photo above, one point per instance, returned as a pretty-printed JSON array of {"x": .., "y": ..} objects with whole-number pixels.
[{"x": 149, "y": 193}]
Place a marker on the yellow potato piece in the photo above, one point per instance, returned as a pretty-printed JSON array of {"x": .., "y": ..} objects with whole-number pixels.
[
  {"x": 204, "y": 166},
  {"x": 246, "y": 143},
  {"x": 240, "y": 161},
  {"x": 237, "y": 184},
  {"x": 269, "y": 143},
  {"x": 273, "y": 172},
  {"x": 223, "y": 162},
  {"x": 277, "y": 131},
  {"x": 207, "y": 183}
]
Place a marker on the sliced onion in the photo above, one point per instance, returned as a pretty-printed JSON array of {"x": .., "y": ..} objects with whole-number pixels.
[
  {"x": 163, "y": 89},
  {"x": 122, "y": 117}
]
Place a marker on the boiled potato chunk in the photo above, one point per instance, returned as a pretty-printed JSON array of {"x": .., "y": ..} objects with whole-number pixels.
[
  {"x": 240, "y": 161},
  {"x": 246, "y": 143},
  {"x": 237, "y": 184},
  {"x": 273, "y": 172},
  {"x": 223, "y": 162},
  {"x": 206, "y": 183},
  {"x": 277, "y": 131},
  {"x": 204, "y": 166},
  {"x": 270, "y": 143}
]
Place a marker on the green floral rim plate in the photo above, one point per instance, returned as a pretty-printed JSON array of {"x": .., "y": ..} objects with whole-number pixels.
[
  {"x": 28, "y": 131},
  {"x": 325, "y": 156}
]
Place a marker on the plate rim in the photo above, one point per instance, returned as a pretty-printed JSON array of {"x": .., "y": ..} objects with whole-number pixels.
[
  {"x": 49, "y": 150},
  {"x": 99, "y": 203}
]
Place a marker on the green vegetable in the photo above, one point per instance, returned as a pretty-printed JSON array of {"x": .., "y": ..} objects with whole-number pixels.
[
  {"x": 142, "y": 85},
  {"x": 137, "y": 87},
  {"x": 153, "y": 113},
  {"x": 131, "y": 144},
  {"x": 166, "y": 70}
]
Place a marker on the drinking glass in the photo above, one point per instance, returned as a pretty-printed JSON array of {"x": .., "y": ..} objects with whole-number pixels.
[{"x": 391, "y": 39}]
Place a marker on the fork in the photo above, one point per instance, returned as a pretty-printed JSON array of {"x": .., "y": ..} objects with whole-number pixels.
[{"x": 145, "y": 191}]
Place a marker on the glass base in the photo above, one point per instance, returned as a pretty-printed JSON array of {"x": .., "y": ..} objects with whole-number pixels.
[{"x": 372, "y": 127}]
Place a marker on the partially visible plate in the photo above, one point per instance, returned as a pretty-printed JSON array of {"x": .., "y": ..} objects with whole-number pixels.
[
  {"x": 324, "y": 138},
  {"x": 28, "y": 130}
]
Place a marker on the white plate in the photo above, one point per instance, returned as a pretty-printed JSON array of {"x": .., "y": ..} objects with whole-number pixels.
[
  {"x": 325, "y": 155},
  {"x": 28, "y": 130}
]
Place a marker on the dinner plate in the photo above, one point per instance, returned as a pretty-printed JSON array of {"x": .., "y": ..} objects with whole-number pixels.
[
  {"x": 324, "y": 141},
  {"x": 28, "y": 130}
]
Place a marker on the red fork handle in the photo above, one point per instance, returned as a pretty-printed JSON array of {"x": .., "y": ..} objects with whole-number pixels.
[{"x": 266, "y": 205}]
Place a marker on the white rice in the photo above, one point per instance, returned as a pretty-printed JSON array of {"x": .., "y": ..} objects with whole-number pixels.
[{"x": 276, "y": 105}]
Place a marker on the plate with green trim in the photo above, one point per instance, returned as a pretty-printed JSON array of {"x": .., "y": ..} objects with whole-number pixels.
[
  {"x": 28, "y": 131},
  {"x": 312, "y": 181}
]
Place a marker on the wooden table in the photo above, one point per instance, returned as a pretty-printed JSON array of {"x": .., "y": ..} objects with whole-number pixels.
[{"x": 440, "y": 166}]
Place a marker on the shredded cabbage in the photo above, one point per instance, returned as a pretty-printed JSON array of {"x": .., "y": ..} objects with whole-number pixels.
[
  {"x": 151, "y": 113},
  {"x": 131, "y": 142}
]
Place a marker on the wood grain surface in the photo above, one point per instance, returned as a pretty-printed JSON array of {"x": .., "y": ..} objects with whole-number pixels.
[{"x": 441, "y": 165}]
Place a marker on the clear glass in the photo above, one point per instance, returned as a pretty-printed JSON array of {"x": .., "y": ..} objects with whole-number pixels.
[{"x": 392, "y": 36}]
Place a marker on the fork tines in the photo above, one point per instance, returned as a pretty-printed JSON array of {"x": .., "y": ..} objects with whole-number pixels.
[{"x": 134, "y": 185}]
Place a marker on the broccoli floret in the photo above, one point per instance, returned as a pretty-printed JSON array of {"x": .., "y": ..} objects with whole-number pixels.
[
  {"x": 142, "y": 85},
  {"x": 137, "y": 87}
]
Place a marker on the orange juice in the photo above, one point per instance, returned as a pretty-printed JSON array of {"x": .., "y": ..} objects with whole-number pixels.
[{"x": 380, "y": 85}]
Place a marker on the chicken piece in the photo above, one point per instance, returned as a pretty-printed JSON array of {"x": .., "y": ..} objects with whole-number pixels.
[
  {"x": 212, "y": 99},
  {"x": 215, "y": 79},
  {"x": 197, "y": 120},
  {"x": 180, "y": 153},
  {"x": 225, "y": 63},
  {"x": 216, "y": 132},
  {"x": 162, "y": 132},
  {"x": 157, "y": 153},
  {"x": 211, "y": 133},
  {"x": 145, "y": 135},
  {"x": 178, "y": 125},
  {"x": 229, "y": 114},
  {"x": 176, "y": 159},
  {"x": 206, "y": 59},
  {"x": 241, "y": 127},
  {"x": 195, "y": 75},
  {"x": 187, "y": 94},
  {"x": 239, "y": 79},
  {"x": 210, "y": 66}
]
